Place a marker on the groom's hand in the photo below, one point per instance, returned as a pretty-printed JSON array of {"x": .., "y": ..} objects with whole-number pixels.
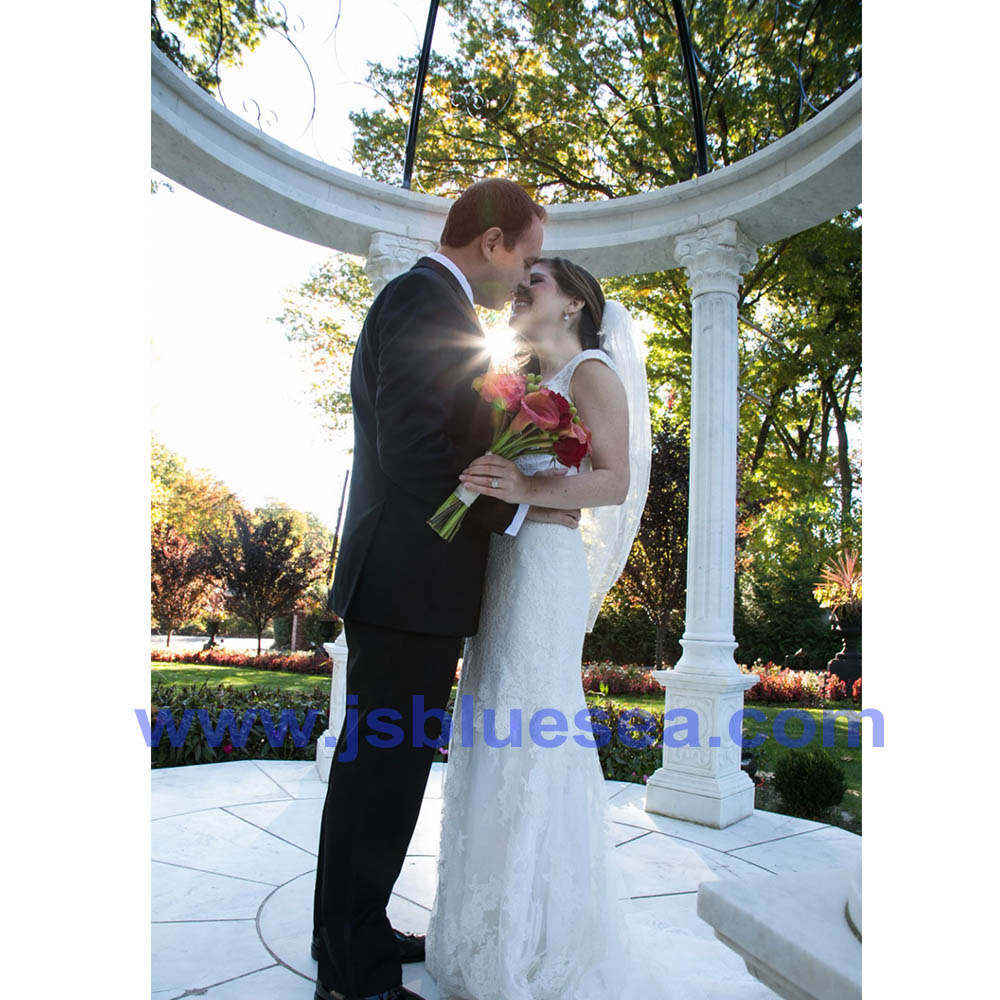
[{"x": 550, "y": 515}]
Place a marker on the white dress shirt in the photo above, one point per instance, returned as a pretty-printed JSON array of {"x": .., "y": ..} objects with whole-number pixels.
[{"x": 522, "y": 509}]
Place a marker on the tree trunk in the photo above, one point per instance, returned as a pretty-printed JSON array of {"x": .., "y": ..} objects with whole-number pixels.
[
  {"x": 260, "y": 632},
  {"x": 169, "y": 633},
  {"x": 661, "y": 632},
  {"x": 843, "y": 452}
]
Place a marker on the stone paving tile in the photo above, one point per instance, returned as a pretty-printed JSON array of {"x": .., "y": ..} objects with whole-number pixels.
[{"x": 216, "y": 841}]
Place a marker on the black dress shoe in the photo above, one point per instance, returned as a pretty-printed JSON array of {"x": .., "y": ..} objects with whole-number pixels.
[
  {"x": 411, "y": 946},
  {"x": 396, "y": 993}
]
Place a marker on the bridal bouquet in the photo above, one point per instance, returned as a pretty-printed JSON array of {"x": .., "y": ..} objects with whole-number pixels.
[{"x": 527, "y": 420}]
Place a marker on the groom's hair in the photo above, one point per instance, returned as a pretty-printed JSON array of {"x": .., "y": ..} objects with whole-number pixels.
[{"x": 492, "y": 202}]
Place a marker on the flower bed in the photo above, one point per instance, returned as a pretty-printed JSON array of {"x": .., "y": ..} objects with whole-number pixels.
[
  {"x": 292, "y": 663},
  {"x": 800, "y": 687},
  {"x": 776, "y": 684},
  {"x": 610, "y": 678}
]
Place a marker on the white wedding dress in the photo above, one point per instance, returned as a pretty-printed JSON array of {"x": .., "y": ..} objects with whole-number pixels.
[{"x": 527, "y": 904}]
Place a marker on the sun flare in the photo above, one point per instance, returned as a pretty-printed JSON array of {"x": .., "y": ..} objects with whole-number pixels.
[{"x": 500, "y": 342}]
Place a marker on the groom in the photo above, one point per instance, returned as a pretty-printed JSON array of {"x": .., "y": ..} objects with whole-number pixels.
[{"x": 407, "y": 597}]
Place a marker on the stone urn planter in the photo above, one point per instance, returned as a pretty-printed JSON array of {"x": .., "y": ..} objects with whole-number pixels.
[
  {"x": 330, "y": 626},
  {"x": 847, "y": 663}
]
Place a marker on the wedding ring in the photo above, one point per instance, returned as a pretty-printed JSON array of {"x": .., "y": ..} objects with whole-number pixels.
[{"x": 494, "y": 482}]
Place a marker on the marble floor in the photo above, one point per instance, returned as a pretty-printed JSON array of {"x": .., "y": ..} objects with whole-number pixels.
[{"x": 234, "y": 854}]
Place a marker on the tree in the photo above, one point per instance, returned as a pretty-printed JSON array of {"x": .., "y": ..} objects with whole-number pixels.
[
  {"x": 780, "y": 556},
  {"x": 323, "y": 317},
  {"x": 588, "y": 101},
  {"x": 218, "y": 32},
  {"x": 262, "y": 568},
  {"x": 313, "y": 537},
  {"x": 655, "y": 575},
  {"x": 180, "y": 578},
  {"x": 195, "y": 503},
  {"x": 802, "y": 370},
  {"x": 583, "y": 101},
  {"x": 213, "y": 612}
]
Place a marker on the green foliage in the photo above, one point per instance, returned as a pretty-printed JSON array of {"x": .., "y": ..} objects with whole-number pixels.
[
  {"x": 323, "y": 316},
  {"x": 582, "y": 101},
  {"x": 809, "y": 781},
  {"x": 181, "y": 582},
  {"x": 655, "y": 576},
  {"x": 193, "y": 503},
  {"x": 263, "y": 567},
  {"x": 801, "y": 372},
  {"x": 623, "y": 633},
  {"x": 780, "y": 552},
  {"x": 840, "y": 586},
  {"x": 215, "y": 33},
  {"x": 196, "y": 748}
]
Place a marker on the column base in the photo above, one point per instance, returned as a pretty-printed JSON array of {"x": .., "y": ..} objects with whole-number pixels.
[
  {"x": 327, "y": 742},
  {"x": 701, "y": 780},
  {"x": 714, "y": 802},
  {"x": 324, "y": 754}
]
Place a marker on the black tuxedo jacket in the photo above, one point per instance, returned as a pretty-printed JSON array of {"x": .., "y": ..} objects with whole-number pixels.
[{"x": 417, "y": 424}]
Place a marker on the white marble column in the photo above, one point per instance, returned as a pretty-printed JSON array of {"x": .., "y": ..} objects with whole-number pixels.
[
  {"x": 388, "y": 255},
  {"x": 703, "y": 783}
]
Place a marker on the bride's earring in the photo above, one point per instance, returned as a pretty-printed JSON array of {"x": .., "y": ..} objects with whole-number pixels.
[{"x": 565, "y": 317}]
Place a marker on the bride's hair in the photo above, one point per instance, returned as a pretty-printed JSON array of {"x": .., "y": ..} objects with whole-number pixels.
[{"x": 578, "y": 283}]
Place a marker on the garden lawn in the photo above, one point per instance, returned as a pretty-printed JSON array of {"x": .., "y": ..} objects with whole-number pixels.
[
  {"x": 848, "y": 756},
  {"x": 239, "y": 677}
]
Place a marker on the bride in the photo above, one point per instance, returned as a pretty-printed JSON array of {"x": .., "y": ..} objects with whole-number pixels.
[{"x": 527, "y": 904}]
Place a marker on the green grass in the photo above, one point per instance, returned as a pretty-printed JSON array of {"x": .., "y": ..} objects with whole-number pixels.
[
  {"x": 849, "y": 757},
  {"x": 766, "y": 798},
  {"x": 238, "y": 677}
]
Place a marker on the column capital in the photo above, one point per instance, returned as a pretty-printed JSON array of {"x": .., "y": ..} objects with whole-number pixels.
[
  {"x": 390, "y": 254},
  {"x": 715, "y": 257}
]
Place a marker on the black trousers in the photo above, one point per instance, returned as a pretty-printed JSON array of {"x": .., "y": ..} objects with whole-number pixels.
[{"x": 373, "y": 798}]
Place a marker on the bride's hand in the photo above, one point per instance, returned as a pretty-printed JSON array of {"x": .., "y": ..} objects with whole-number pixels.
[
  {"x": 493, "y": 476},
  {"x": 549, "y": 515}
]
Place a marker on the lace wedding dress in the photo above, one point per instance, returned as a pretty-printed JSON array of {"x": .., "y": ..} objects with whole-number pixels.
[{"x": 527, "y": 904}]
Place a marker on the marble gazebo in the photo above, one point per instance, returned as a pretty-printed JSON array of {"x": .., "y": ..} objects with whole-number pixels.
[{"x": 711, "y": 226}]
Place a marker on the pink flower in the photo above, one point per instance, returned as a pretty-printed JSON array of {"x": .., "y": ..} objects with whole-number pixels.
[{"x": 497, "y": 387}]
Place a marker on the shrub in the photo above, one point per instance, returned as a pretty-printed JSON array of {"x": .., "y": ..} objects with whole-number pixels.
[
  {"x": 625, "y": 634},
  {"x": 620, "y": 759},
  {"x": 856, "y": 691},
  {"x": 294, "y": 663},
  {"x": 196, "y": 747},
  {"x": 809, "y": 781},
  {"x": 777, "y": 617}
]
